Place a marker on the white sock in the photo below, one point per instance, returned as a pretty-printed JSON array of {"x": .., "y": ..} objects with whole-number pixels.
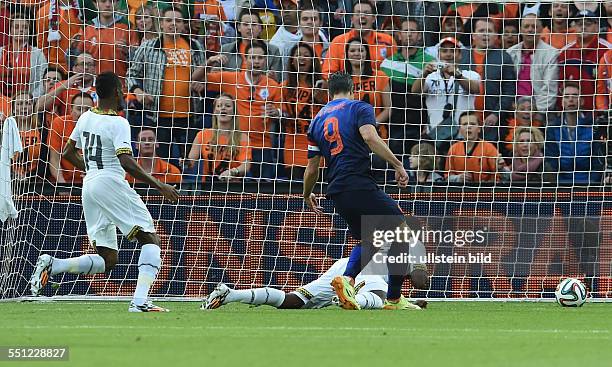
[
  {"x": 258, "y": 296},
  {"x": 369, "y": 301},
  {"x": 85, "y": 264},
  {"x": 149, "y": 263}
]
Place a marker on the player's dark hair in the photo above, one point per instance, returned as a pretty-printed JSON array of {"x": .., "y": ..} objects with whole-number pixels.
[
  {"x": 340, "y": 82},
  {"x": 81, "y": 95},
  {"x": 367, "y": 65},
  {"x": 107, "y": 84}
]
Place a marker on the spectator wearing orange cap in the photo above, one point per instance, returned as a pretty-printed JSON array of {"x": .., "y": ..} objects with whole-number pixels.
[
  {"x": 472, "y": 160},
  {"x": 448, "y": 90},
  {"x": 381, "y": 45},
  {"x": 450, "y": 26}
]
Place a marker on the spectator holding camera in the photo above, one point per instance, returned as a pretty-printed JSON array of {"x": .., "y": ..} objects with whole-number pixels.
[{"x": 449, "y": 91}]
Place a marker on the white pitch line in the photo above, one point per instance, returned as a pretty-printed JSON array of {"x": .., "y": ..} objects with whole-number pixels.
[{"x": 317, "y": 328}]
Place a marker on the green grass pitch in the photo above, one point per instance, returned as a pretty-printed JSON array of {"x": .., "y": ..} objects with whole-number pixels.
[{"x": 446, "y": 334}]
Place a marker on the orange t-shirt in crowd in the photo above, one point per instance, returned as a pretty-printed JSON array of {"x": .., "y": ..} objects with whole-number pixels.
[
  {"x": 176, "y": 91},
  {"x": 381, "y": 46},
  {"x": 558, "y": 40},
  {"x": 603, "y": 88},
  {"x": 59, "y": 133},
  {"x": 216, "y": 162},
  {"x": 69, "y": 26},
  {"x": 300, "y": 110},
  {"x": 27, "y": 162},
  {"x": 481, "y": 162},
  {"x": 162, "y": 170},
  {"x": 370, "y": 89},
  {"x": 15, "y": 69},
  {"x": 109, "y": 46},
  {"x": 210, "y": 8},
  {"x": 250, "y": 102}
]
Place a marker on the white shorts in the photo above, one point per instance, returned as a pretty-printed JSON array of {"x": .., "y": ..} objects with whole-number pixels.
[
  {"x": 319, "y": 293},
  {"x": 109, "y": 202}
]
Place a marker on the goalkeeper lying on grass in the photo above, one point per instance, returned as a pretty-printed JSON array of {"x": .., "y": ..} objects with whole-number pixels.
[{"x": 369, "y": 293}]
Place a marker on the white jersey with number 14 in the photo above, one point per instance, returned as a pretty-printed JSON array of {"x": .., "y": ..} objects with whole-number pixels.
[{"x": 102, "y": 137}]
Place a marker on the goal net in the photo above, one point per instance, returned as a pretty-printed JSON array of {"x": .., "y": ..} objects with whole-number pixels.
[{"x": 499, "y": 111}]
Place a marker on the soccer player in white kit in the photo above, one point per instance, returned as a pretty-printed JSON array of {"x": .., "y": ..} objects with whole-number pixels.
[
  {"x": 108, "y": 200},
  {"x": 370, "y": 293}
]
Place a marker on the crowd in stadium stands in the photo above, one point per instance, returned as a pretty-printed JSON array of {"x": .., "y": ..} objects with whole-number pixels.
[{"x": 225, "y": 90}]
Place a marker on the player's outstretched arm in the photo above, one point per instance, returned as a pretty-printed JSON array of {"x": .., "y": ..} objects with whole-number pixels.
[
  {"x": 130, "y": 165},
  {"x": 379, "y": 147},
  {"x": 311, "y": 176},
  {"x": 72, "y": 155}
]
